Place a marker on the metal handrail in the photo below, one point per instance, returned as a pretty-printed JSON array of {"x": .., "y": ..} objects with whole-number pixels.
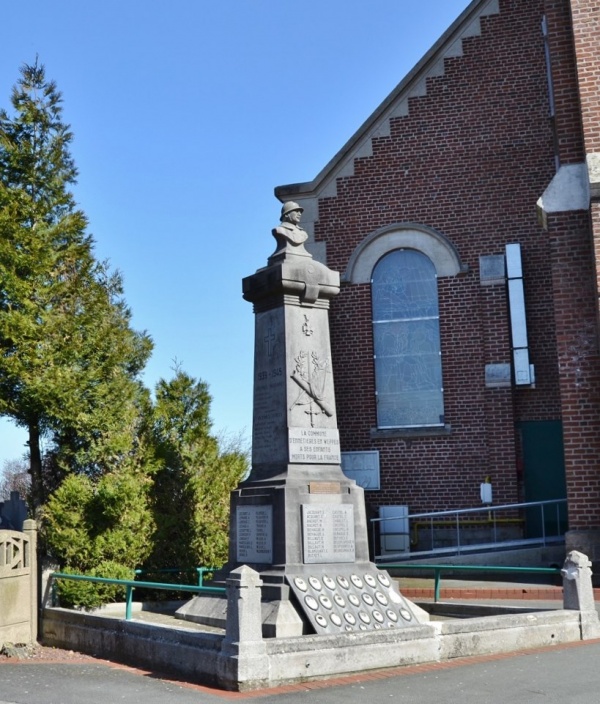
[
  {"x": 479, "y": 509},
  {"x": 438, "y": 569},
  {"x": 200, "y": 571},
  {"x": 457, "y": 513},
  {"x": 131, "y": 584}
]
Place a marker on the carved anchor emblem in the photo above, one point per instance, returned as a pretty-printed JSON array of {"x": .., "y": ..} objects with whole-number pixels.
[{"x": 306, "y": 329}]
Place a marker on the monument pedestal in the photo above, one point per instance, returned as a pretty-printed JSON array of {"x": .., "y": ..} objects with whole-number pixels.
[
  {"x": 294, "y": 527},
  {"x": 303, "y": 520},
  {"x": 307, "y": 537}
]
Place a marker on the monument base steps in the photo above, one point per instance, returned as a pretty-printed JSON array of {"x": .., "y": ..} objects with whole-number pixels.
[
  {"x": 332, "y": 598},
  {"x": 280, "y": 619}
]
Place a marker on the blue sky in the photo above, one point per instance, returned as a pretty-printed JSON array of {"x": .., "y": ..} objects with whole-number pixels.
[{"x": 186, "y": 115}]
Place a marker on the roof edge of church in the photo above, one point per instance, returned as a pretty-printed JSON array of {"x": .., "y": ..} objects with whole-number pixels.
[{"x": 449, "y": 37}]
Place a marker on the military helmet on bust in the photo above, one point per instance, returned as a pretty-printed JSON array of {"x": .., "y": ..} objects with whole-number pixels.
[{"x": 290, "y": 206}]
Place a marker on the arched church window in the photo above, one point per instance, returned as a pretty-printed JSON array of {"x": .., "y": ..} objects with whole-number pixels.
[{"x": 406, "y": 335}]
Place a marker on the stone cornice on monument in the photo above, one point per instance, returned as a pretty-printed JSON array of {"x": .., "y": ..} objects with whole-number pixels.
[{"x": 305, "y": 280}]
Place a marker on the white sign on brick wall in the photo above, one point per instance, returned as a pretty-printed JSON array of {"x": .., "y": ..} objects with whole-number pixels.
[{"x": 363, "y": 467}]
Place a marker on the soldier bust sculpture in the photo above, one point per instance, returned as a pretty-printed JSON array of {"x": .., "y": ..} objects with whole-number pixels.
[{"x": 289, "y": 235}]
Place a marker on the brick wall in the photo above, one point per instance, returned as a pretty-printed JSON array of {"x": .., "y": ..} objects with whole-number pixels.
[
  {"x": 579, "y": 363},
  {"x": 576, "y": 281},
  {"x": 586, "y": 31},
  {"x": 569, "y": 142},
  {"x": 470, "y": 160}
]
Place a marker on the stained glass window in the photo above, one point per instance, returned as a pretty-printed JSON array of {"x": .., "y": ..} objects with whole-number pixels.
[{"x": 406, "y": 332}]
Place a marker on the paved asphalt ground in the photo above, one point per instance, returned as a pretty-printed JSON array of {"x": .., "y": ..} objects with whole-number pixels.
[{"x": 562, "y": 673}]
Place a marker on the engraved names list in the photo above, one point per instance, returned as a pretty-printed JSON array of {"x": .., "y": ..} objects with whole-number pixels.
[
  {"x": 328, "y": 533},
  {"x": 254, "y": 526}
]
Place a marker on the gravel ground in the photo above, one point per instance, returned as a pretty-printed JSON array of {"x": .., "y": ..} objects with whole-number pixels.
[{"x": 38, "y": 653}]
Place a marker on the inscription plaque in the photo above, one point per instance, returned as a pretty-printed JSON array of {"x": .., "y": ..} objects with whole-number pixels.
[
  {"x": 498, "y": 375},
  {"x": 269, "y": 418},
  {"x": 363, "y": 467},
  {"x": 314, "y": 445},
  {"x": 324, "y": 488},
  {"x": 328, "y": 533},
  {"x": 254, "y": 525}
]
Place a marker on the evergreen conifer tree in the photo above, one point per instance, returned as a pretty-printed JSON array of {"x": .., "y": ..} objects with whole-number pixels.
[
  {"x": 196, "y": 473},
  {"x": 69, "y": 360}
]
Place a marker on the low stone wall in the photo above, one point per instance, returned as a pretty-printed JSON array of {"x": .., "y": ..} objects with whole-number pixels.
[
  {"x": 321, "y": 656},
  {"x": 242, "y": 659},
  {"x": 182, "y": 651},
  {"x": 201, "y": 657},
  {"x": 507, "y": 633}
]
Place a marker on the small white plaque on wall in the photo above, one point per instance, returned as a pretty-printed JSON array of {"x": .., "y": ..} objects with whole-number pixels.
[
  {"x": 497, "y": 375},
  {"x": 363, "y": 467}
]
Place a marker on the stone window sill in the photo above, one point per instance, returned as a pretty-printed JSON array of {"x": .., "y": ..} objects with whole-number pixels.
[{"x": 404, "y": 433}]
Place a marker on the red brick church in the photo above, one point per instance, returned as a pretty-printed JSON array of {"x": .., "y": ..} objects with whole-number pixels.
[{"x": 464, "y": 218}]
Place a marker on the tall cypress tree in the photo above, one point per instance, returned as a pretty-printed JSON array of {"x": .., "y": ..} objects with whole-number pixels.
[
  {"x": 195, "y": 477},
  {"x": 69, "y": 360}
]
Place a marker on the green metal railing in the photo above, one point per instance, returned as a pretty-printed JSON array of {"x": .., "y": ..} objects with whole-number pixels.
[
  {"x": 200, "y": 588},
  {"x": 199, "y": 571},
  {"x": 438, "y": 569},
  {"x": 131, "y": 584}
]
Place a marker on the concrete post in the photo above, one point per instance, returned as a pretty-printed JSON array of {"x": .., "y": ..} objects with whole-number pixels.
[
  {"x": 577, "y": 582},
  {"x": 244, "y": 662},
  {"x": 578, "y": 593},
  {"x": 30, "y": 530}
]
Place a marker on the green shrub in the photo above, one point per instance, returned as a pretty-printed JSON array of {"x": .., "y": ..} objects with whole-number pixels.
[{"x": 100, "y": 529}]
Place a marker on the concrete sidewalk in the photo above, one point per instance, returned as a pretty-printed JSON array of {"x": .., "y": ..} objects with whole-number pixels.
[{"x": 562, "y": 673}]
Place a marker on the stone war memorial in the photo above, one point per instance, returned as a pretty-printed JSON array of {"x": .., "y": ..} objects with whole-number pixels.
[{"x": 297, "y": 519}]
